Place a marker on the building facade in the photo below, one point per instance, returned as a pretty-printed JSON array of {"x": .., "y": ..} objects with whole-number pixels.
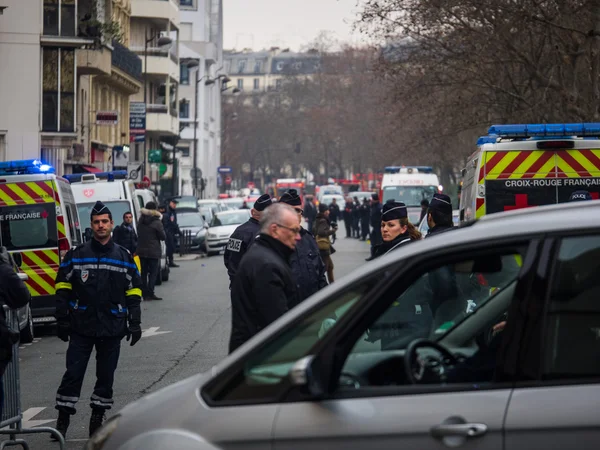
[{"x": 201, "y": 60}]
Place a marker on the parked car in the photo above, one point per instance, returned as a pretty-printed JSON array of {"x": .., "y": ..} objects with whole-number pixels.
[
  {"x": 190, "y": 219},
  {"x": 221, "y": 227},
  {"x": 186, "y": 202},
  {"x": 213, "y": 204},
  {"x": 515, "y": 366},
  {"x": 233, "y": 203}
]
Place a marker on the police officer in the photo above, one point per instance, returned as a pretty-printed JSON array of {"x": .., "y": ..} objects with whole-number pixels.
[
  {"x": 98, "y": 290},
  {"x": 365, "y": 219},
  {"x": 396, "y": 230},
  {"x": 171, "y": 229},
  {"x": 244, "y": 236},
  {"x": 439, "y": 215},
  {"x": 580, "y": 196},
  {"x": 306, "y": 263},
  {"x": 375, "y": 224}
]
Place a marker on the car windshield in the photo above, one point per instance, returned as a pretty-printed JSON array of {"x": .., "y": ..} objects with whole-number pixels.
[
  {"x": 327, "y": 199},
  {"x": 236, "y": 203},
  {"x": 230, "y": 218},
  {"x": 409, "y": 195},
  {"x": 117, "y": 209},
  {"x": 188, "y": 201},
  {"x": 190, "y": 220},
  {"x": 28, "y": 226}
]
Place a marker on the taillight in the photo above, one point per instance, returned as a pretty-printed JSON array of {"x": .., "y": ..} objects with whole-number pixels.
[{"x": 63, "y": 247}]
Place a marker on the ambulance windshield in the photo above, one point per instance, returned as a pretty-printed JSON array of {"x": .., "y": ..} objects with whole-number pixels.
[
  {"x": 409, "y": 195},
  {"x": 117, "y": 209},
  {"x": 28, "y": 226}
]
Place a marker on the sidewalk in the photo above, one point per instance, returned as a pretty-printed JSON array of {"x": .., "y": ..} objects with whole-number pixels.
[{"x": 188, "y": 257}]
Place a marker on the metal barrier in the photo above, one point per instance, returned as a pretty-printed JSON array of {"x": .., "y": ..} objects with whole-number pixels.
[
  {"x": 12, "y": 415},
  {"x": 185, "y": 242}
]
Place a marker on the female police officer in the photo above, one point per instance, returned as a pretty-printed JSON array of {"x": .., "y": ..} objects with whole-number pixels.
[{"x": 396, "y": 230}]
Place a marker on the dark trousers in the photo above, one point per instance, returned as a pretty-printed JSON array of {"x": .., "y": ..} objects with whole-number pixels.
[
  {"x": 375, "y": 239},
  {"x": 78, "y": 355},
  {"x": 170, "y": 243},
  {"x": 364, "y": 224},
  {"x": 348, "y": 224},
  {"x": 356, "y": 227},
  {"x": 150, "y": 267}
]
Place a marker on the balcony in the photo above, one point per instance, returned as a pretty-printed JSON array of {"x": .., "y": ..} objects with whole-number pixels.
[
  {"x": 161, "y": 61},
  {"x": 159, "y": 120},
  {"x": 156, "y": 9},
  {"x": 94, "y": 62},
  {"x": 126, "y": 60}
]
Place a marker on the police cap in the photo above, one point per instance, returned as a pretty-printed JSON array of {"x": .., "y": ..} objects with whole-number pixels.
[
  {"x": 441, "y": 203},
  {"x": 291, "y": 198},
  {"x": 100, "y": 209},
  {"x": 393, "y": 210},
  {"x": 262, "y": 202}
]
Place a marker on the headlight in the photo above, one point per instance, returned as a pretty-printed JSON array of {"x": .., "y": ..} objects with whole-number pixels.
[
  {"x": 97, "y": 441},
  {"x": 212, "y": 236}
]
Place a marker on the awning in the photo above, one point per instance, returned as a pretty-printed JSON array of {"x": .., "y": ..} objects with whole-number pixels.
[{"x": 91, "y": 169}]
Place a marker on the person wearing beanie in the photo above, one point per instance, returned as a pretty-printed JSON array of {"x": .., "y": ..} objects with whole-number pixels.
[
  {"x": 439, "y": 215},
  {"x": 243, "y": 237},
  {"x": 322, "y": 232},
  {"x": 150, "y": 232},
  {"x": 306, "y": 263},
  {"x": 97, "y": 305},
  {"x": 396, "y": 230}
]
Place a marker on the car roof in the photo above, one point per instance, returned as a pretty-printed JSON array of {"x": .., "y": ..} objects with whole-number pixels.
[
  {"x": 539, "y": 220},
  {"x": 220, "y": 213}
]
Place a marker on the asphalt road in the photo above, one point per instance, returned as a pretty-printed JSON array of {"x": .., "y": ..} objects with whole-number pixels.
[{"x": 186, "y": 333}]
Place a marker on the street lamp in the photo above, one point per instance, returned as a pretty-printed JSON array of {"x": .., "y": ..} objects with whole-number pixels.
[{"x": 162, "y": 41}]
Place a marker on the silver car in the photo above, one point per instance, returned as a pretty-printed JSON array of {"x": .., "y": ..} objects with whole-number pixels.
[{"x": 484, "y": 337}]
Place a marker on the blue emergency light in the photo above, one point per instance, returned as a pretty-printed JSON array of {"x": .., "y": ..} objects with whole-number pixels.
[
  {"x": 109, "y": 176},
  {"x": 25, "y": 166},
  {"x": 420, "y": 169},
  {"x": 545, "y": 130}
]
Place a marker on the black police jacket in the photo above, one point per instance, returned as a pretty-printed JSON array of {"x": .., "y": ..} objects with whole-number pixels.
[
  {"x": 262, "y": 289},
  {"x": 307, "y": 267},
  {"x": 98, "y": 290},
  {"x": 376, "y": 215},
  {"x": 387, "y": 247},
  {"x": 125, "y": 236},
  {"x": 239, "y": 243},
  {"x": 439, "y": 229},
  {"x": 170, "y": 221}
]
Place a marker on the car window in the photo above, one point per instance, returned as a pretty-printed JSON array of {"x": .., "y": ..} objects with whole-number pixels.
[
  {"x": 265, "y": 370},
  {"x": 439, "y": 300},
  {"x": 572, "y": 331},
  {"x": 190, "y": 220},
  {"x": 28, "y": 226},
  {"x": 230, "y": 218}
]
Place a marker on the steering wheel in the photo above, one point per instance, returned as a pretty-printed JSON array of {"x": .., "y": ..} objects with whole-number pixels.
[{"x": 434, "y": 365}]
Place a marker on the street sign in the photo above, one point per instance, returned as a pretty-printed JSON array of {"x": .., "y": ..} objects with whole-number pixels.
[
  {"x": 225, "y": 169},
  {"x": 195, "y": 173},
  {"x": 137, "y": 121}
]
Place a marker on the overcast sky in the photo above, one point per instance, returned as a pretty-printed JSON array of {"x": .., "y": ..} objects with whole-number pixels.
[{"x": 259, "y": 24}]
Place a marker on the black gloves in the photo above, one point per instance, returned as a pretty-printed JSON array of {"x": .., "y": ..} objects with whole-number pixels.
[
  {"x": 63, "y": 330},
  {"x": 135, "y": 333}
]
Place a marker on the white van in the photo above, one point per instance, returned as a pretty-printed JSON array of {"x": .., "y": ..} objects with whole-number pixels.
[{"x": 410, "y": 185}]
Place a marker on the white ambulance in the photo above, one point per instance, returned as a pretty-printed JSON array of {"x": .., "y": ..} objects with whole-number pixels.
[{"x": 410, "y": 185}]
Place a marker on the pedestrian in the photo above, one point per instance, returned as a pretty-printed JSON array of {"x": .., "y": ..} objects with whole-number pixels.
[
  {"x": 310, "y": 212},
  {"x": 306, "y": 263},
  {"x": 125, "y": 234},
  {"x": 244, "y": 205},
  {"x": 151, "y": 232},
  {"x": 13, "y": 293},
  {"x": 424, "y": 206},
  {"x": 348, "y": 213},
  {"x": 365, "y": 219},
  {"x": 322, "y": 232},
  {"x": 243, "y": 237},
  {"x": 375, "y": 224},
  {"x": 334, "y": 216},
  {"x": 356, "y": 219},
  {"x": 97, "y": 304},
  {"x": 396, "y": 230},
  {"x": 439, "y": 215},
  {"x": 169, "y": 220},
  {"x": 264, "y": 285}
]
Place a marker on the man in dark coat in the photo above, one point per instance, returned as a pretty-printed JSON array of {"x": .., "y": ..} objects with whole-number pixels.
[
  {"x": 306, "y": 263},
  {"x": 439, "y": 215},
  {"x": 98, "y": 293},
  {"x": 375, "y": 222},
  {"x": 365, "y": 218},
  {"x": 348, "y": 212},
  {"x": 243, "y": 237},
  {"x": 264, "y": 286},
  {"x": 310, "y": 212},
  {"x": 151, "y": 232},
  {"x": 171, "y": 229},
  {"x": 125, "y": 235},
  {"x": 356, "y": 219}
]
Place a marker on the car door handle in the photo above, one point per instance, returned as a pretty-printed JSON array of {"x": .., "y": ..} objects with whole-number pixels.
[{"x": 459, "y": 429}]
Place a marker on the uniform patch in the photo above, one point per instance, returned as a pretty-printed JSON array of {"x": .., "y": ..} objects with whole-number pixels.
[
  {"x": 234, "y": 245},
  {"x": 84, "y": 275}
]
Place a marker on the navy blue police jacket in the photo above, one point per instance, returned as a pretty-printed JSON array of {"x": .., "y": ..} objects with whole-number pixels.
[
  {"x": 307, "y": 267},
  {"x": 239, "y": 243},
  {"x": 98, "y": 290}
]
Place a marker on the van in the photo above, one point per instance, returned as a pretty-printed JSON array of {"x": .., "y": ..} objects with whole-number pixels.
[
  {"x": 529, "y": 165},
  {"x": 410, "y": 185},
  {"x": 39, "y": 223}
]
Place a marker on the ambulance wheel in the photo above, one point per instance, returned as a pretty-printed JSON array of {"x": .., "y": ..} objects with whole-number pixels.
[
  {"x": 27, "y": 332},
  {"x": 165, "y": 274}
]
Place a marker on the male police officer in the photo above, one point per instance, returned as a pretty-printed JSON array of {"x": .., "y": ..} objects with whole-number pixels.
[
  {"x": 580, "y": 196},
  {"x": 98, "y": 290},
  {"x": 306, "y": 263},
  {"x": 243, "y": 236},
  {"x": 171, "y": 229},
  {"x": 439, "y": 215}
]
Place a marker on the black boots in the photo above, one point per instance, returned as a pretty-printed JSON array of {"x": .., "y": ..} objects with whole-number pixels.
[
  {"x": 62, "y": 423},
  {"x": 96, "y": 420}
]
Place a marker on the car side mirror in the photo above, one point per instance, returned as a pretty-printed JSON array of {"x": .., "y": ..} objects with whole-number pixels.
[
  {"x": 305, "y": 374},
  {"x": 87, "y": 234}
]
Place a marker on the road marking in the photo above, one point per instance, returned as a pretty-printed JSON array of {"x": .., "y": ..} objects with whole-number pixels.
[
  {"x": 30, "y": 413},
  {"x": 153, "y": 331}
]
